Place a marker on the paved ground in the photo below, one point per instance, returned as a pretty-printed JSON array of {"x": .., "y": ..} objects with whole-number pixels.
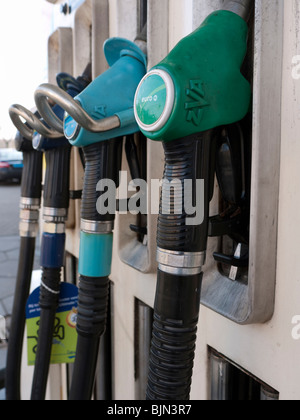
[{"x": 9, "y": 254}]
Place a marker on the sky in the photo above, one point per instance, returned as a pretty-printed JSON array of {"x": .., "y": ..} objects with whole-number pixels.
[{"x": 25, "y": 26}]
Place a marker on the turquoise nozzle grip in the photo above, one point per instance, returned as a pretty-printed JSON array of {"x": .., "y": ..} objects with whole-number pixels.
[
  {"x": 95, "y": 255},
  {"x": 199, "y": 85},
  {"x": 111, "y": 93}
]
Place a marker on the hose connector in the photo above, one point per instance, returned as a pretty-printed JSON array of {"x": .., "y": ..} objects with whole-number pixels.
[
  {"x": 29, "y": 217},
  {"x": 241, "y": 8}
]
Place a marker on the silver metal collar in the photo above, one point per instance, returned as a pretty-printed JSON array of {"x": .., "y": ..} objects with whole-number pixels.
[
  {"x": 89, "y": 226},
  {"x": 180, "y": 263}
]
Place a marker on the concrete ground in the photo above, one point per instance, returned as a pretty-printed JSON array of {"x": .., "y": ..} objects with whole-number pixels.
[{"x": 9, "y": 254}]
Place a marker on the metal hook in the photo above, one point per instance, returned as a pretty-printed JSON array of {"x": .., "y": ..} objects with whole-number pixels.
[
  {"x": 73, "y": 108},
  {"x": 17, "y": 111}
]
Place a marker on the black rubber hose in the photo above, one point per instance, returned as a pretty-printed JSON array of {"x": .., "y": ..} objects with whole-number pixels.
[
  {"x": 103, "y": 161},
  {"x": 49, "y": 298},
  {"x": 31, "y": 187},
  {"x": 56, "y": 195},
  {"x": 91, "y": 325},
  {"x": 16, "y": 336},
  {"x": 176, "y": 313},
  {"x": 177, "y": 302}
]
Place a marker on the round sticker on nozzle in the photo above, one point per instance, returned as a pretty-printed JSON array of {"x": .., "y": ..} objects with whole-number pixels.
[
  {"x": 36, "y": 140},
  {"x": 71, "y": 127},
  {"x": 154, "y": 100}
]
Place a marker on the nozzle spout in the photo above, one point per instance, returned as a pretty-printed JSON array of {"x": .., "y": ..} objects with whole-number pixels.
[{"x": 240, "y": 7}]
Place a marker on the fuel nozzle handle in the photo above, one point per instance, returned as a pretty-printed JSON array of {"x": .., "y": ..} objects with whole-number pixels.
[
  {"x": 199, "y": 85},
  {"x": 32, "y": 168},
  {"x": 97, "y": 119},
  {"x": 104, "y": 110}
]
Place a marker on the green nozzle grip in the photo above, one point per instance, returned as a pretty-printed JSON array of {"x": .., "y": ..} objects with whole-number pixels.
[{"x": 199, "y": 85}]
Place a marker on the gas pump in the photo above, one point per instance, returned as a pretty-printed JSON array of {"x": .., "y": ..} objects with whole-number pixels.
[
  {"x": 183, "y": 101},
  {"x": 97, "y": 120}
]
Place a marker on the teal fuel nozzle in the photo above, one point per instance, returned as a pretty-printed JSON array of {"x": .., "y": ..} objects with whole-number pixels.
[
  {"x": 199, "y": 85},
  {"x": 97, "y": 120},
  {"x": 104, "y": 109}
]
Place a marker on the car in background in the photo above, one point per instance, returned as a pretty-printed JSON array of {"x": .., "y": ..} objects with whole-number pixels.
[{"x": 11, "y": 165}]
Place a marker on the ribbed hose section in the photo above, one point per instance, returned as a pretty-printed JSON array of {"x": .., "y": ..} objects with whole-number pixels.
[
  {"x": 172, "y": 361},
  {"x": 57, "y": 178},
  {"x": 92, "y": 305},
  {"x": 186, "y": 161},
  {"x": 172, "y": 230},
  {"x": 15, "y": 342},
  {"x": 32, "y": 174},
  {"x": 102, "y": 161},
  {"x": 91, "y": 325},
  {"x": 176, "y": 312},
  {"x": 177, "y": 301},
  {"x": 49, "y": 299}
]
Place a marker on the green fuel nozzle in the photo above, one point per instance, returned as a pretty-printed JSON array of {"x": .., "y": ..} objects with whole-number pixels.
[
  {"x": 199, "y": 85},
  {"x": 183, "y": 101}
]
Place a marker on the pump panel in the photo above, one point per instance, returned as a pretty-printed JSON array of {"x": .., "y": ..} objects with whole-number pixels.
[{"x": 251, "y": 300}]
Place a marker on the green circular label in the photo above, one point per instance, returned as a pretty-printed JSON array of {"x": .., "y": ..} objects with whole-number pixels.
[{"x": 151, "y": 99}]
